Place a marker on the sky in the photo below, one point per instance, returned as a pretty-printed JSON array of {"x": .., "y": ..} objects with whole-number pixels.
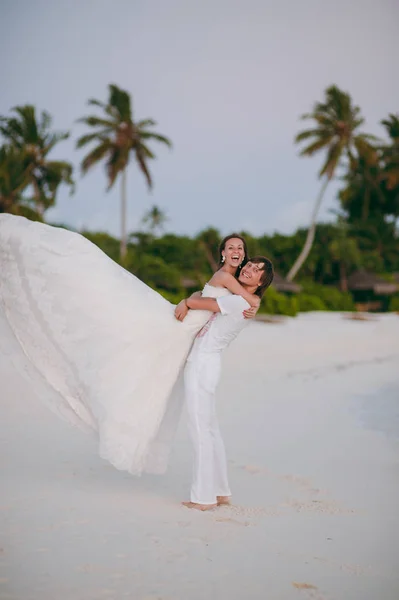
[{"x": 226, "y": 80}]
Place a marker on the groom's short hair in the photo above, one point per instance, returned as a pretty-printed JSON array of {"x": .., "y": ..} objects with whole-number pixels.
[{"x": 267, "y": 273}]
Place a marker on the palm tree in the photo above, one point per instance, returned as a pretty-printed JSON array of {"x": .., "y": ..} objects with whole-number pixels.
[
  {"x": 372, "y": 183},
  {"x": 337, "y": 121},
  {"x": 117, "y": 136},
  {"x": 363, "y": 195},
  {"x": 155, "y": 218},
  {"x": 37, "y": 140}
]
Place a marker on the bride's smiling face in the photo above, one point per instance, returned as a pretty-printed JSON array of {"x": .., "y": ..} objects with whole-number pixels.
[{"x": 234, "y": 252}]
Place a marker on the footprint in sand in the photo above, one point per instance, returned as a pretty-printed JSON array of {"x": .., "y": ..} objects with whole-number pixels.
[
  {"x": 311, "y": 590},
  {"x": 250, "y": 511},
  {"x": 303, "y": 586},
  {"x": 252, "y": 469},
  {"x": 230, "y": 520},
  {"x": 318, "y": 506},
  {"x": 301, "y": 481},
  {"x": 183, "y": 523}
]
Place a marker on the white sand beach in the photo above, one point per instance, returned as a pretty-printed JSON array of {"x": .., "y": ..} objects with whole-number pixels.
[{"x": 309, "y": 410}]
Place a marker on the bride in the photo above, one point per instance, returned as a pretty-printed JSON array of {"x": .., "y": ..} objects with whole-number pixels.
[{"x": 107, "y": 343}]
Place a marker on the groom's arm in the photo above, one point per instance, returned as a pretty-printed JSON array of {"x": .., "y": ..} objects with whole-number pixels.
[
  {"x": 227, "y": 305},
  {"x": 195, "y": 302},
  {"x": 198, "y": 303}
]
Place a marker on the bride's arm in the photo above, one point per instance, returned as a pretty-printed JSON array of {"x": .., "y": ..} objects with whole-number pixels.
[{"x": 223, "y": 279}]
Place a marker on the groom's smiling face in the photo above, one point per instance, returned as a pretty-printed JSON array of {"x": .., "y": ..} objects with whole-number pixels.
[{"x": 251, "y": 274}]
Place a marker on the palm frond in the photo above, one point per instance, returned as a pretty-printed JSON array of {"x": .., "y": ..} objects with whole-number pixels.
[
  {"x": 365, "y": 150},
  {"x": 304, "y": 135},
  {"x": 317, "y": 145},
  {"x": 28, "y": 121},
  {"x": 148, "y": 135},
  {"x": 95, "y": 155},
  {"x": 145, "y": 151},
  {"x": 101, "y": 135},
  {"x": 120, "y": 99},
  {"x": 143, "y": 167},
  {"x": 53, "y": 139},
  {"x": 93, "y": 121},
  {"x": 94, "y": 102},
  {"x": 111, "y": 111},
  {"x": 117, "y": 162},
  {"x": 44, "y": 123},
  {"x": 12, "y": 130},
  {"x": 392, "y": 126},
  {"x": 146, "y": 123},
  {"x": 333, "y": 157},
  {"x": 57, "y": 172}
]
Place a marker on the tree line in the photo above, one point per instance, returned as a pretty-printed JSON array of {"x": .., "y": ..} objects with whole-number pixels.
[{"x": 365, "y": 233}]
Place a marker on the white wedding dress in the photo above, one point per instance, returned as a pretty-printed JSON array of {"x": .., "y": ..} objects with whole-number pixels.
[{"x": 107, "y": 343}]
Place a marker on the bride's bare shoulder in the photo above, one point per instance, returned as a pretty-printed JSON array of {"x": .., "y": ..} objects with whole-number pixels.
[{"x": 220, "y": 278}]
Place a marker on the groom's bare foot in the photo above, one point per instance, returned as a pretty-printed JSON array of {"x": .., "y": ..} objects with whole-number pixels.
[
  {"x": 197, "y": 506},
  {"x": 223, "y": 500}
]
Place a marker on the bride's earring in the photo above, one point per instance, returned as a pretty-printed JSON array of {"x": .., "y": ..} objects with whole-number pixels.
[{"x": 223, "y": 259}]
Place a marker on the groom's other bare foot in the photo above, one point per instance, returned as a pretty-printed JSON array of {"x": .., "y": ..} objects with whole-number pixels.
[
  {"x": 202, "y": 507},
  {"x": 223, "y": 500}
]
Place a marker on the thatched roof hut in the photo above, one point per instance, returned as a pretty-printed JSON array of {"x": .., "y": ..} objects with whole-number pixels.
[
  {"x": 369, "y": 282},
  {"x": 370, "y": 292},
  {"x": 282, "y": 285}
]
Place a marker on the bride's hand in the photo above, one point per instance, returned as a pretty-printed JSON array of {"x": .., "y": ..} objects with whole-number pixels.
[
  {"x": 250, "y": 313},
  {"x": 181, "y": 310}
]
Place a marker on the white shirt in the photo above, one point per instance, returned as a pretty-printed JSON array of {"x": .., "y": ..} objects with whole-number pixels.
[{"x": 222, "y": 328}]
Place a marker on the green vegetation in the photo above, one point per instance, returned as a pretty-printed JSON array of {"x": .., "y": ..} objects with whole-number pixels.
[
  {"x": 394, "y": 304},
  {"x": 320, "y": 258}
]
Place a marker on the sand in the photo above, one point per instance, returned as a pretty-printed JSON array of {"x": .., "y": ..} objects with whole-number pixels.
[{"x": 309, "y": 410}]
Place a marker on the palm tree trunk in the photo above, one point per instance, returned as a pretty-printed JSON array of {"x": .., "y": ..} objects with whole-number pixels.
[
  {"x": 123, "y": 248},
  {"x": 310, "y": 236},
  {"x": 366, "y": 204},
  {"x": 38, "y": 201},
  {"x": 208, "y": 253}
]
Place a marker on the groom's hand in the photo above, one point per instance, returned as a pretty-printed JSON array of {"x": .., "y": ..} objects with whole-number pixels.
[{"x": 181, "y": 310}]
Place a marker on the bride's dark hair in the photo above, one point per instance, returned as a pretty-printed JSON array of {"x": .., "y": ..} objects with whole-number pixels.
[{"x": 222, "y": 246}]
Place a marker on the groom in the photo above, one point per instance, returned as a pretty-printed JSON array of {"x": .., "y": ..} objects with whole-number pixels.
[{"x": 210, "y": 483}]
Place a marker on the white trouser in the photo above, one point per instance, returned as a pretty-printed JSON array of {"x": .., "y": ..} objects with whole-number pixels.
[{"x": 201, "y": 376}]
